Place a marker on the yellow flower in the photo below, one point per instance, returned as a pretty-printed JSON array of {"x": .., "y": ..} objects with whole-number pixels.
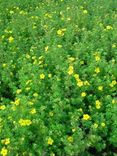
[
  {"x": 50, "y": 141},
  {"x": 113, "y": 45},
  {"x": 114, "y": 101},
  {"x": 27, "y": 88},
  {"x": 59, "y": 46},
  {"x": 48, "y": 15},
  {"x": 17, "y": 101},
  {"x": 80, "y": 109},
  {"x": 80, "y": 83},
  {"x": 27, "y": 82},
  {"x": 2, "y": 107},
  {"x": 4, "y": 65},
  {"x": 46, "y": 48},
  {"x": 49, "y": 75},
  {"x": 11, "y": 12},
  {"x": 70, "y": 138},
  {"x": 31, "y": 103},
  {"x": 83, "y": 94},
  {"x": 60, "y": 32},
  {"x": 42, "y": 76},
  {"x": 51, "y": 113},
  {"x": 68, "y": 19},
  {"x": 73, "y": 130},
  {"x": 35, "y": 95},
  {"x": 11, "y": 39},
  {"x": 4, "y": 151},
  {"x": 113, "y": 83},
  {"x": 98, "y": 104},
  {"x": 95, "y": 125},
  {"x": 85, "y": 11},
  {"x": 103, "y": 124},
  {"x": 76, "y": 76},
  {"x": 108, "y": 27},
  {"x": 81, "y": 62},
  {"x": 27, "y": 56},
  {"x": 100, "y": 88},
  {"x": 18, "y": 91},
  {"x": 86, "y": 83},
  {"x": 6, "y": 141},
  {"x": 25, "y": 122},
  {"x": 70, "y": 70},
  {"x": 97, "y": 70},
  {"x": 97, "y": 57},
  {"x": 71, "y": 59},
  {"x": 33, "y": 111},
  {"x": 86, "y": 117}
]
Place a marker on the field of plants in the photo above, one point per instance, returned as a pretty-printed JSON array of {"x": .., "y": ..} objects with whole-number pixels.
[{"x": 58, "y": 70}]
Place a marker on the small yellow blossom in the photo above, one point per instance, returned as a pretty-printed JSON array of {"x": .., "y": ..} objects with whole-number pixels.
[
  {"x": 4, "y": 65},
  {"x": 85, "y": 11},
  {"x": 95, "y": 125},
  {"x": 86, "y": 117},
  {"x": 70, "y": 138},
  {"x": 50, "y": 141},
  {"x": 70, "y": 70},
  {"x": 73, "y": 130},
  {"x": 71, "y": 59},
  {"x": 80, "y": 109},
  {"x": 27, "y": 56},
  {"x": 97, "y": 57},
  {"x": 6, "y": 141},
  {"x": 18, "y": 91},
  {"x": 3, "y": 107},
  {"x": 25, "y": 122},
  {"x": 114, "y": 101},
  {"x": 11, "y": 39},
  {"x": 113, "y": 45},
  {"x": 11, "y": 12},
  {"x": 100, "y": 88},
  {"x": 51, "y": 113},
  {"x": 42, "y": 76},
  {"x": 48, "y": 15},
  {"x": 86, "y": 83},
  {"x": 59, "y": 46},
  {"x": 80, "y": 83},
  {"x": 17, "y": 101},
  {"x": 31, "y": 103},
  {"x": 76, "y": 76},
  {"x": 108, "y": 27},
  {"x": 4, "y": 151},
  {"x": 27, "y": 82},
  {"x": 97, "y": 70},
  {"x": 98, "y": 104},
  {"x": 113, "y": 83},
  {"x": 81, "y": 62},
  {"x": 35, "y": 94},
  {"x": 103, "y": 124},
  {"x": 68, "y": 19},
  {"x": 83, "y": 94},
  {"x": 49, "y": 75},
  {"x": 60, "y": 32},
  {"x": 27, "y": 88},
  {"x": 33, "y": 111},
  {"x": 46, "y": 48}
]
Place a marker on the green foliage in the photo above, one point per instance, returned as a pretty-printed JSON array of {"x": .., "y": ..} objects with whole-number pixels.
[{"x": 58, "y": 78}]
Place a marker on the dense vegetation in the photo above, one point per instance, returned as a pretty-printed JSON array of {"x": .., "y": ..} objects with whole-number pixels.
[{"x": 58, "y": 78}]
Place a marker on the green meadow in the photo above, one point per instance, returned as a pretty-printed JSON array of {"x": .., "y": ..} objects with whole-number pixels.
[{"x": 58, "y": 72}]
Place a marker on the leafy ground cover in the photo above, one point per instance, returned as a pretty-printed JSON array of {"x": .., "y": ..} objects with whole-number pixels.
[{"x": 58, "y": 78}]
